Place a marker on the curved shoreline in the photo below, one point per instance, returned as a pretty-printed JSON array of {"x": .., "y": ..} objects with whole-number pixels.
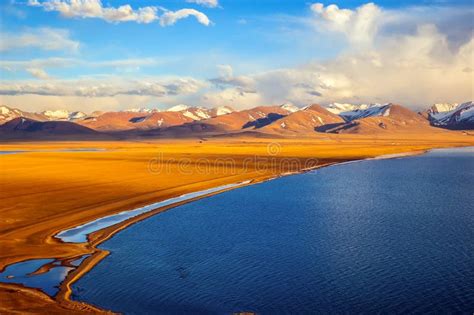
[
  {"x": 100, "y": 236},
  {"x": 63, "y": 298}
]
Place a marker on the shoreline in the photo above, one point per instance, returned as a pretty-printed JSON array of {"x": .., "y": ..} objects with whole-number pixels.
[
  {"x": 63, "y": 297},
  {"x": 98, "y": 237}
]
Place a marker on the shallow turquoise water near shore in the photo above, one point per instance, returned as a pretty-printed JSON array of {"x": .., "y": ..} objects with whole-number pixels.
[{"x": 374, "y": 236}]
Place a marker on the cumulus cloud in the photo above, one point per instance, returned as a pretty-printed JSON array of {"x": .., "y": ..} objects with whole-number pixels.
[
  {"x": 44, "y": 38},
  {"x": 233, "y": 97},
  {"x": 415, "y": 56},
  {"x": 409, "y": 57},
  {"x": 359, "y": 25},
  {"x": 206, "y": 3},
  {"x": 38, "y": 73},
  {"x": 226, "y": 78},
  {"x": 125, "y": 13}
]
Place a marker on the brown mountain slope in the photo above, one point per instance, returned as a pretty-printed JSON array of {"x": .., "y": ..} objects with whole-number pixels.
[
  {"x": 24, "y": 128},
  {"x": 306, "y": 122},
  {"x": 8, "y": 114},
  {"x": 234, "y": 122},
  {"x": 396, "y": 119},
  {"x": 121, "y": 121}
]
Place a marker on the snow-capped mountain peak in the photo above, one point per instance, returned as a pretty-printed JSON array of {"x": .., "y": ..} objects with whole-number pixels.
[
  {"x": 141, "y": 110},
  {"x": 7, "y": 113},
  {"x": 60, "y": 114},
  {"x": 4, "y": 110},
  {"x": 77, "y": 115},
  {"x": 196, "y": 113},
  {"x": 178, "y": 108},
  {"x": 458, "y": 117},
  {"x": 223, "y": 110},
  {"x": 351, "y": 112},
  {"x": 290, "y": 107},
  {"x": 199, "y": 113},
  {"x": 442, "y": 107}
]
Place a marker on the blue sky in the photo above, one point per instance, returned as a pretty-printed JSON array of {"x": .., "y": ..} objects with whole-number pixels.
[{"x": 244, "y": 45}]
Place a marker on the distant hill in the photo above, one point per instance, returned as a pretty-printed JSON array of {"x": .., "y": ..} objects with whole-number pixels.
[
  {"x": 120, "y": 121},
  {"x": 141, "y": 119},
  {"x": 238, "y": 121},
  {"x": 287, "y": 120},
  {"x": 356, "y": 111},
  {"x": 8, "y": 113},
  {"x": 452, "y": 116},
  {"x": 24, "y": 128},
  {"x": 390, "y": 118},
  {"x": 306, "y": 121}
]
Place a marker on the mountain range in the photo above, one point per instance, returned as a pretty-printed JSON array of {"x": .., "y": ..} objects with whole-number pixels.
[
  {"x": 283, "y": 121},
  {"x": 452, "y": 116}
]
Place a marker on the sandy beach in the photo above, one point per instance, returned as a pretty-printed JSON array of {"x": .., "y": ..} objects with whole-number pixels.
[{"x": 48, "y": 189}]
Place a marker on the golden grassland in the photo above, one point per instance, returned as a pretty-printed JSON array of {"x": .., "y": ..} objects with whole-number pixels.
[{"x": 48, "y": 190}]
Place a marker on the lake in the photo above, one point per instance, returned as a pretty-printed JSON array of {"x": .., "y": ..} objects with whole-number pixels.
[{"x": 390, "y": 236}]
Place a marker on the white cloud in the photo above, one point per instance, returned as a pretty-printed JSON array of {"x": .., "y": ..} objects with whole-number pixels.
[
  {"x": 225, "y": 71},
  {"x": 233, "y": 97},
  {"x": 38, "y": 73},
  {"x": 414, "y": 56},
  {"x": 400, "y": 56},
  {"x": 359, "y": 25},
  {"x": 44, "y": 38},
  {"x": 125, "y": 13},
  {"x": 206, "y": 3},
  {"x": 226, "y": 78},
  {"x": 389, "y": 56},
  {"x": 105, "y": 87},
  {"x": 171, "y": 17}
]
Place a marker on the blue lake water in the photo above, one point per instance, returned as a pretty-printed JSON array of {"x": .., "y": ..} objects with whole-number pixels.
[
  {"x": 80, "y": 233},
  {"x": 21, "y": 273},
  {"x": 48, "y": 282},
  {"x": 390, "y": 236}
]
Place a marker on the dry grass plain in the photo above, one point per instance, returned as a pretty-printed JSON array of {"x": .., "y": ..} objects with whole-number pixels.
[{"x": 47, "y": 190}]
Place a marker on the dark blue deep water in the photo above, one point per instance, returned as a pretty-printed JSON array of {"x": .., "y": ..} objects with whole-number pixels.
[{"x": 389, "y": 236}]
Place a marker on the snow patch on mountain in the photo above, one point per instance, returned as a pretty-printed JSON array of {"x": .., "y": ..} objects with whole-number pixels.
[
  {"x": 60, "y": 114},
  {"x": 142, "y": 110},
  {"x": 7, "y": 113},
  {"x": 337, "y": 108},
  {"x": 442, "y": 107},
  {"x": 190, "y": 115},
  {"x": 290, "y": 107},
  {"x": 5, "y": 110},
  {"x": 223, "y": 110},
  {"x": 351, "y": 112},
  {"x": 77, "y": 115},
  {"x": 178, "y": 108},
  {"x": 460, "y": 116},
  {"x": 202, "y": 113}
]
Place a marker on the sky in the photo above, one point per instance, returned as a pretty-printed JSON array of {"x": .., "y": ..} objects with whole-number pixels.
[{"x": 92, "y": 55}]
